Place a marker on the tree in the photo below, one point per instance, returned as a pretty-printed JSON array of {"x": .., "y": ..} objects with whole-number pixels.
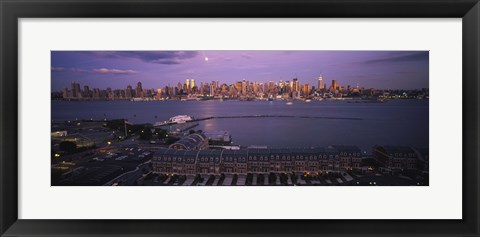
[
  {"x": 68, "y": 146},
  {"x": 161, "y": 133},
  {"x": 146, "y": 134}
]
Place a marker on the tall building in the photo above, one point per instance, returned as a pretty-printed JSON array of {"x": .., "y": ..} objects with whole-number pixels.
[
  {"x": 295, "y": 85},
  {"x": 334, "y": 84},
  {"x": 128, "y": 92},
  {"x": 255, "y": 88},
  {"x": 306, "y": 89},
  {"x": 281, "y": 86},
  {"x": 288, "y": 86},
  {"x": 244, "y": 87},
  {"x": 271, "y": 86},
  {"x": 96, "y": 93},
  {"x": 76, "y": 90},
  {"x": 320, "y": 82},
  {"x": 109, "y": 94},
  {"x": 139, "y": 90},
  {"x": 65, "y": 93},
  {"x": 213, "y": 88},
  {"x": 192, "y": 83},
  {"x": 238, "y": 86},
  {"x": 86, "y": 91}
]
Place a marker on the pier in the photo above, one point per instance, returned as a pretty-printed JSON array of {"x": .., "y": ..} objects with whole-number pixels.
[{"x": 272, "y": 116}]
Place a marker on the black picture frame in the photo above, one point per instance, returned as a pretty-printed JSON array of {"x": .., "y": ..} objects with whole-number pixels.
[{"x": 12, "y": 10}]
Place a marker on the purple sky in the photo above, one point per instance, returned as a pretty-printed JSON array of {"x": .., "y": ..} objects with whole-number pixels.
[{"x": 117, "y": 69}]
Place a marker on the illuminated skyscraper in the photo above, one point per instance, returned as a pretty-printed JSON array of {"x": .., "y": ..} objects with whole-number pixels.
[
  {"x": 159, "y": 93},
  {"x": 238, "y": 86},
  {"x": 213, "y": 88},
  {"x": 306, "y": 89},
  {"x": 244, "y": 87},
  {"x": 271, "y": 86},
  {"x": 187, "y": 82},
  {"x": 192, "y": 83},
  {"x": 281, "y": 85},
  {"x": 295, "y": 85},
  {"x": 288, "y": 86},
  {"x": 320, "y": 82},
  {"x": 334, "y": 84}
]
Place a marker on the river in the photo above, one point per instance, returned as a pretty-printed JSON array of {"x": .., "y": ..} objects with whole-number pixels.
[{"x": 395, "y": 122}]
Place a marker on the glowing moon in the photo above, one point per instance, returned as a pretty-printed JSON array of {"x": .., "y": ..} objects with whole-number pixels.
[{"x": 206, "y": 58}]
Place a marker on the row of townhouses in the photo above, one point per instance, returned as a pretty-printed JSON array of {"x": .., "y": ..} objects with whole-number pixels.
[{"x": 332, "y": 158}]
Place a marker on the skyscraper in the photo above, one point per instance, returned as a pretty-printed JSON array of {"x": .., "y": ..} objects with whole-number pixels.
[
  {"x": 128, "y": 92},
  {"x": 159, "y": 93},
  {"x": 334, "y": 84},
  {"x": 192, "y": 83},
  {"x": 139, "y": 90},
  {"x": 86, "y": 91},
  {"x": 65, "y": 93},
  {"x": 271, "y": 86},
  {"x": 320, "y": 82},
  {"x": 255, "y": 88},
  {"x": 295, "y": 85},
  {"x": 244, "y": 87},
  {"x": 306, "y": 89},
  {"x": 238, "y": 86},
  {"x": 76, "y": 93}
]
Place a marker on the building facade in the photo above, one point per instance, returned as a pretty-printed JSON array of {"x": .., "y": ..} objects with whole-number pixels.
[
  {"x": 262, "y": 161},
  {"x": 195, "y": 141},
  {"x": 397, "y": 157}
]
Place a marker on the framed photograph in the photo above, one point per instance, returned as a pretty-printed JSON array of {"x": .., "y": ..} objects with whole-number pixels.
[{"x": 252, "y": 118}]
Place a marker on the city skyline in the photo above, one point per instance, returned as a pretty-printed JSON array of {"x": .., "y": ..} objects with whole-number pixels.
[
  {"x": 293, "y": 89},
  {"x": 155, "y": 69}
]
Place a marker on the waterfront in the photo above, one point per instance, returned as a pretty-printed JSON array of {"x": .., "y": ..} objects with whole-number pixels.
[{"x": 398, "y": 122}]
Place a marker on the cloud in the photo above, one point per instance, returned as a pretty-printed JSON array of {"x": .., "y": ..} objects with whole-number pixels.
[
  {"x": 159, "y": 57},
  {"x": 250, "y": 66},
  {"x": 410, "y": 57},
  {"x": 246, "y": 55},
  {"x": 226, "y": 59},
  {"x": 265, "y": 73},
  {"x": 114, "y": 71},
  {"x": 78, "y": 70},
  {"x": 97, "y": 70},
  {"x": 57, "y": 69}
]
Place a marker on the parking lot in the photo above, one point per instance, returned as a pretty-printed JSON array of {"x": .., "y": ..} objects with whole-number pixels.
[{"x": 250, "y": 179}]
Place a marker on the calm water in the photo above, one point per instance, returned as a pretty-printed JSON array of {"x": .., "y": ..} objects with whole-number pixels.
[{"x": 396, "y": 122}]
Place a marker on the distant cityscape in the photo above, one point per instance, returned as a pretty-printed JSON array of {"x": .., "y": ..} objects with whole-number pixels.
[{"x": 242, "y": 90}]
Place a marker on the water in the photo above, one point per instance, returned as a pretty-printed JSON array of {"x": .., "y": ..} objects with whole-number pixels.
[{"x": 396, "y": 122}]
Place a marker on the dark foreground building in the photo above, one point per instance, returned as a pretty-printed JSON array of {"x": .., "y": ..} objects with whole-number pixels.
[
  {"x": 334, "y": 158},
  {"x": 398, "y": 158}
]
